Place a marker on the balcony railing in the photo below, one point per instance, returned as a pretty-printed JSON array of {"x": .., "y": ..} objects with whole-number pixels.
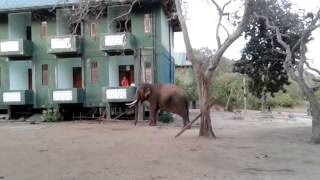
[
  {"x": 16, "y": 97},
  {"x": 118, "y": 94},
  {"x": 18, "y": 48},
  {"x": 118, "y": 42},
  {"x": 64, "y": 45},
  {"x": 67, "y": 96}
]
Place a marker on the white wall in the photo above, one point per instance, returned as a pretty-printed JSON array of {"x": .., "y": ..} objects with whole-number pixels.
[
  {"x": 18, "y": 75},
  {"x": 114, "y": 62},
  {"x": 64, "y": 72}
]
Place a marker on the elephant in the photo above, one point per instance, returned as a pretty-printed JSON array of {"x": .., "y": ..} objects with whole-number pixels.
[{"x": 164, "y": 97}]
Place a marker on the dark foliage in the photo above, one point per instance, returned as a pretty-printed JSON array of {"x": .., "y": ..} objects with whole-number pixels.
[{"x": 263, "y": 57}]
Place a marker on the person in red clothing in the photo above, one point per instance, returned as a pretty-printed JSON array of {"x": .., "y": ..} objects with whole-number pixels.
[{"x": 124, "y": 82}]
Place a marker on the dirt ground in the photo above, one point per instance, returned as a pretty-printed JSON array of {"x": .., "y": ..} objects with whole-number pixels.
[{"x": 254, "y": 146}]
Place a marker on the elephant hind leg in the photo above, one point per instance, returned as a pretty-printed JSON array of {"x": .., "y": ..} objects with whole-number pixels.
[
  {"x": 184, "y": 113},
  {"x": 186, "y": 121}
]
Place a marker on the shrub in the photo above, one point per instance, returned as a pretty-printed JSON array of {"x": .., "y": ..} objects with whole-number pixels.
[
  {"x": 165, "y": 117},
  {"x": 51, "y": 115},
  {"x": 283, "y": 100},
  {"x": 224, "y": 85},
  {"x": 189, "y": 86},
  {"x": 253, "y": 102}
]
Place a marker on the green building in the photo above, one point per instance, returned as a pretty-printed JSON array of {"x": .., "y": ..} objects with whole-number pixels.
[{"x": 48, "y": 61}]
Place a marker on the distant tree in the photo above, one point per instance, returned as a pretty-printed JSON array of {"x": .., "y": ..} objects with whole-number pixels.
[
  {"x": 261, "y": 60},
  {"x": 296, "y": 63}
]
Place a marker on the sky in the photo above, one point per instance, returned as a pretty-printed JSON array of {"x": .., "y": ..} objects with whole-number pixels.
[{"x": 202, "y": 30}]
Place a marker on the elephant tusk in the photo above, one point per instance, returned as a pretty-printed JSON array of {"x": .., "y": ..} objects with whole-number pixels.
[
  {"x": 131, "y": 106},
  {"x": 132, "y": 103}
]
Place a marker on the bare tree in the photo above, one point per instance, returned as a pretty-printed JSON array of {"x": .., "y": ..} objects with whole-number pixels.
[
  {"x": 298, "y": 70},
  {"x": 203, "y": 71},
  {"x": 91, "y": 10}
]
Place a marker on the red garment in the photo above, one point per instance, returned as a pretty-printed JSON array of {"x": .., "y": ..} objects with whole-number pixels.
[{"x": 125, "y": 83}]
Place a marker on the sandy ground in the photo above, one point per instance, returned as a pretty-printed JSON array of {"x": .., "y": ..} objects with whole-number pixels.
[{"x": 256, "y": 147}]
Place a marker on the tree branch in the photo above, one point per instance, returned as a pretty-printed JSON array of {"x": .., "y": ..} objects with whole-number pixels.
[
  {"x": 289, "y": 67},
  {"x": 189, "y": 49},
  {"x": 234, "y": 36},
  {"x": 313, "y": 69},
  {"x": 312, "y": 26},
  {"x": 221, "y": 14},
  {"x": 226, "y": 30},
  {"x": 127, "y": 13}
]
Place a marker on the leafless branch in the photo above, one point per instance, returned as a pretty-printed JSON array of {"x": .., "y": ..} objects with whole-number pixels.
[
  {"x": 186, "y": 36},
  {"x": 234, "y": 36},
  {"x": 128, "y": 12},
  {"x": 225, "y": 5},
  {"x": 311, "y": 68},
  {"x": 312, "y": 27},
  {"x": 303, "y": 48},
  {"x": 226, "y": 30},
  {"x": 221, "y": 14}
]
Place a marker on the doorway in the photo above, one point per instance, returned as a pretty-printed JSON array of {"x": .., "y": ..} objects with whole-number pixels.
[
  {"x": 126, "y": 71},
  {"x": 19, "y": 25},
  {"x": 77, "y": 77},
  {"x": 20, "y": 75},
  {"x": 69, "y": 73},
  {"x": 29, "y": 79}
]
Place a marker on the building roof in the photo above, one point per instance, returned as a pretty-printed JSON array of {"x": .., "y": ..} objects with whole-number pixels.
[
  {"x": 20, "y": 5},
  {"x": 11, "y": 5}
]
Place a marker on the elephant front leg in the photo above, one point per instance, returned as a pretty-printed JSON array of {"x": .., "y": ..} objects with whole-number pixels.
[{"x": 153, "y": 116}]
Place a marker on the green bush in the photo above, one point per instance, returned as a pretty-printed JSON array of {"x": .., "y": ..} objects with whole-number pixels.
[
  {"x": 51, "y": 115},
  {"x": 292, "y": 97},
  {"x": 283, "y": 100},
  {"x": 317, "y": 93},
  {"x": 224, "y": 82},
  {"x": 166, "y": 117},
  {"x": 253, "y": 102},
  {"x": 189, "y": 86},
  {"x": 228, "y": 84}
]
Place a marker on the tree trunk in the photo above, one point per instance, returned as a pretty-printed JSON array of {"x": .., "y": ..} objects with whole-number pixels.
[
  {"x": 315, "y": 109},
  {"x": 264, "y": 100},
  {"x": 226, "y": 108},
  {"x": 316, "y": 125},
  {"x": 205, "y": 125},
  {"x": 315, "y": 114}
]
